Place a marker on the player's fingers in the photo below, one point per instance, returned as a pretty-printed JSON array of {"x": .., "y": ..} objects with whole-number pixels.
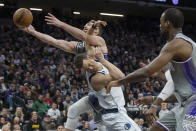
[
  {"x": 51, "y": 15},
  {"x": 47, "y": 20},
  {"x": 48, "y": 17},
  {"x": 48, "y": 23}
]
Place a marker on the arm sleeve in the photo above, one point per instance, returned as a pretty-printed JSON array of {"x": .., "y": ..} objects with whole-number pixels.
[{"x": 168, "y": 89}]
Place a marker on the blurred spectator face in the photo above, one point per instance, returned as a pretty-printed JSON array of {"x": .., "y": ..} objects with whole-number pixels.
[
  {"x": 1, "y": 79},
  {"x": 58, "y": 93},
  {"x": 47, "y": 95},
  {"x": 5, "y": 128},
  {"x": 4, "y": 112},
  {"x": 163, "y": 106},
  {"x": 141, "y": 122},
  {"x": 54, "y": 106},
  {"x": 17, "y": 127},
  {"x": 34, "y": 116},
  {"x": 21, "y": 88},
  {"x": 68, "y": 98},
  {"x": 19, "y": 110},
  {"x": 13, "y": 87},
  {"x": 47, "y": 118},
  {"x": 40, "y": 98},
  {"x": 140, "y": 95},
  {"x": 74, "y": 95},
  {"x": 60, "y": 128},
  {"x": 86, "y": 125},
  {"x": 29, "y": 94},
  {"x": 131, "y": 96},
  {"x": 16, "y": 120},
  {"x": 59, "y": 100},
  {"x": 9, "y": 125},
  {"x": 3, "y": 120},
  {"x": 136, "y": 120}
]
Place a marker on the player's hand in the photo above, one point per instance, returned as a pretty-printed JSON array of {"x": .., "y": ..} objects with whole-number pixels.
[
  {"x": 99, "y": 22},
  {"x": 98, "y": 54},
  {"x": 151, "y": 115},
  {"x": 30, "y": 29},
  {"x": 112, "y": 84},
  {"x": 52, "y": 20},
  {"x": 144, "y": 101}
]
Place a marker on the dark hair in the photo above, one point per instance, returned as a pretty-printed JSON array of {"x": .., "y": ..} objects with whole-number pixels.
[
  {"x": 175, "y": 16},
  {"x": 78, "y": 60},
  {"x": 100, "y": 27}
]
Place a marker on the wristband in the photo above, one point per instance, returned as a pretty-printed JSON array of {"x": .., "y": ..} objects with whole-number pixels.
[{"x": 153, "y": 98}]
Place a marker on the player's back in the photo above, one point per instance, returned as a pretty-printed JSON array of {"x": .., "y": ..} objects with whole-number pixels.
[{"x": 184, "y": 73}]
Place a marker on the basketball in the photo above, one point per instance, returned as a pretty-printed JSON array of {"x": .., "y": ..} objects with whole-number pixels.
[{"x": 22, "y": 17}]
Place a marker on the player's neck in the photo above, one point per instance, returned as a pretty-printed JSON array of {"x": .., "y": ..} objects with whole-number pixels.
[{"x": 174, "y": 32}]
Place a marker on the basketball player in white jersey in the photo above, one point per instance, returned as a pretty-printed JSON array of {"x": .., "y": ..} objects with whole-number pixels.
[
  {"x": 82, "y": 105},
  {"x": 111, "y": 106}
]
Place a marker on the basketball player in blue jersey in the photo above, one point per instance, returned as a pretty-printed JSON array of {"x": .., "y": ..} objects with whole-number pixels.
[
  {"x": 180, "y": 53},
  {"x": 92, "y": 28},
  {"x": 110, "y": 106}
]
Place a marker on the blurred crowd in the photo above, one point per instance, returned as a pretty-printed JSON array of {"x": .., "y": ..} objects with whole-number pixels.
[{"x": 38, "y": 82}]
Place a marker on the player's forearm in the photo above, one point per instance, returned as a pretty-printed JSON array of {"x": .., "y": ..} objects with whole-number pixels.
[
  {"x": 47, "y": 39},
  {"x": 75, "y": 32},
  {"x": 113, "y": 70},
  {"x": 137, "y": 76},
  {"x": 171, "y": 99},
  {"x": 157, "y": 101}
]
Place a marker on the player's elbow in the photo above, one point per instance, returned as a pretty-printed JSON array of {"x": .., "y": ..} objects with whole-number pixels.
[{"x": 122, "y": 75}]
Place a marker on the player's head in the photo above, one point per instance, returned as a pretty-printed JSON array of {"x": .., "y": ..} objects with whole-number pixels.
[
  {"x": 89, "y": 24},
  {"x": 86, "y": 62},
  {"x": 171, "y": 18}
]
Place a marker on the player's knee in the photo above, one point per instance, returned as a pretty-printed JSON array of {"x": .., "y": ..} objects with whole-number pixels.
[{"x": 73, "y": 111}]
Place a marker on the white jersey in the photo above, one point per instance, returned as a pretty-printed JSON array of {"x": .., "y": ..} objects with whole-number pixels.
[{"x": 115, "y": 99}]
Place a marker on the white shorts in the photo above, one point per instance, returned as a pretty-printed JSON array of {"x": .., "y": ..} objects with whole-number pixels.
[{"x": 119, "y": 121}]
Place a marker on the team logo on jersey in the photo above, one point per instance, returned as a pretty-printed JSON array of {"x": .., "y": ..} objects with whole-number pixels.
[
  {"x": 189, "y": 123},
  {"x": 127, "y": 126}
]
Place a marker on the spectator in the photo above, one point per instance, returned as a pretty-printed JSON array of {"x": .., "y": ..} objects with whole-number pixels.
[
  {"x": 67, "y": 101},
  {"x": 40, "y": 107},
  {"x": 163, "y": 110},
  {"x": 19, "y": 114},
  {"x": 2, "y": 84},
  {"x": 16, "y": 127},
  {"x": 47, "y": 124},
  {"x": 53, "y": 112},
  {"x": 35, "y": 122},
  {"x": 48, "y": 100},
  {"x": 29, "y": 102},
  {"x": 59, "y": 103},
  {"x": 60, "y": 128},
  {"x": 10, "y": 94},
  {"x": 5, "y": 114}
]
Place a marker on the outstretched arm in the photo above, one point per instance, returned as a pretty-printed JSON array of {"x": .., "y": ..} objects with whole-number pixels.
[
  {"x": 166, "y": 55},
  {"x": 75, "y": 32},
  {"x": 62, "y": 44}
]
